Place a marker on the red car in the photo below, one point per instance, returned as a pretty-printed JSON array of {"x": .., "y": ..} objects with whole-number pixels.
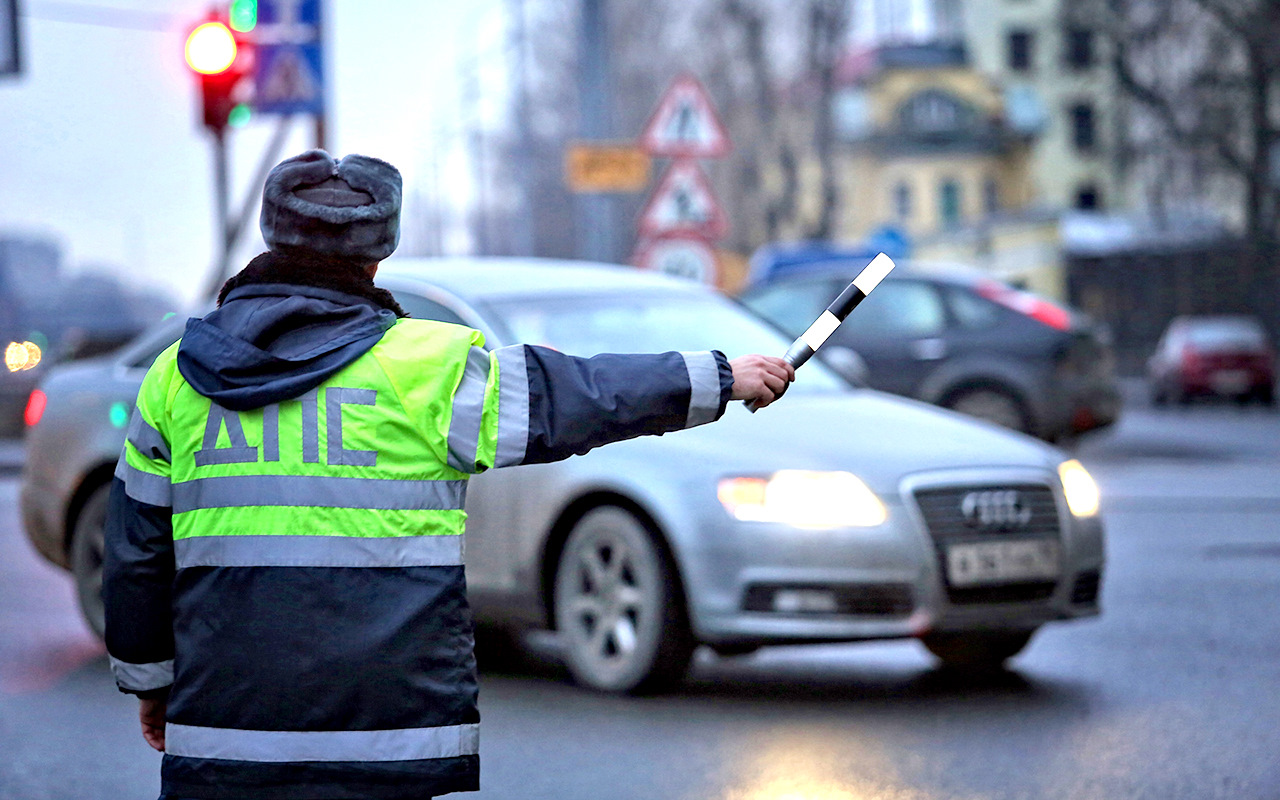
[{"x": 1224, "y": 356}]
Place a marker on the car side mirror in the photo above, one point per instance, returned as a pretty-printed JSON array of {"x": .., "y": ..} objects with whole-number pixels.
[{"x": 846, "y": 362}]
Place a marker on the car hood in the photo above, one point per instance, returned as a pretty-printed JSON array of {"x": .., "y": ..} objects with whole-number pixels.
[{"x": 879, "y": 437}]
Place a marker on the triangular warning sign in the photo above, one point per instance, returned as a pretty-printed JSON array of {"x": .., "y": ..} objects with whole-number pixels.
[
  {"x": 289, "y": 80},
  {"x": 685, "y": 124},
  {"x": 684, "y": 203}
]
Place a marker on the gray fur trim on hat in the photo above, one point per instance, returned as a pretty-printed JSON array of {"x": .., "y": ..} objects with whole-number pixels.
[{"x": 356, "y": 216}]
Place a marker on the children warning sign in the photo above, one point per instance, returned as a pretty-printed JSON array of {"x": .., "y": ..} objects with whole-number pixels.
[{"x": 683, "y": 203}]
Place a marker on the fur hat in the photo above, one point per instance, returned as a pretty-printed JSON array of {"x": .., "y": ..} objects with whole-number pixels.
[{"x": 348, "y": 208}]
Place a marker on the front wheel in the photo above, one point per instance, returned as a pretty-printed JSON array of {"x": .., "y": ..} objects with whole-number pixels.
[
  {"x": 992, "y": 405},
  {"x": 978, "y": 651},
  {"x": 87, "y": 548},
  {"x": 618, "y": 607}
]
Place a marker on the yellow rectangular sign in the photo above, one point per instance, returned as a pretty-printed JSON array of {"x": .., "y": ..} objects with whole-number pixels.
[{"x": 605, "y": 168}]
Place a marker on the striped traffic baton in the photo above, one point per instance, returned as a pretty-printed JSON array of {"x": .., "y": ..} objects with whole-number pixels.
[{"x": 802, "y": 349}]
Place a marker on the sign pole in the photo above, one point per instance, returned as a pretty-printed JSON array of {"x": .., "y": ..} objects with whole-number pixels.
[{"x": 596, "y": 234}]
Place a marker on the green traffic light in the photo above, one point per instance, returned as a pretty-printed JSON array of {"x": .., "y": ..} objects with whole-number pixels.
[
  {"x": 244, "y": 15},
  {"x": 239, "y": 116}
]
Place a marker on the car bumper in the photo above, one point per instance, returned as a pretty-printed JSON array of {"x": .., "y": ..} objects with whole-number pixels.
[
  {"x": 771, "y": 584},
  {"x": 1077, "y": 406}
]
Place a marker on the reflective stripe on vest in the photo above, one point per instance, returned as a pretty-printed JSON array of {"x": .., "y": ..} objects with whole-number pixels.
[
  {"x": 513, "y": 406},
  {"x": 145, "y": 487},
  {"x": 406, "y": 744},
  {"x": 318, "y": 551},
  {"x": 235, "y": 491}
]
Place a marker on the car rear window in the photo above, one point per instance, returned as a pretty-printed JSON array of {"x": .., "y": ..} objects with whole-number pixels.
[
  {"x": 970, "y": 310},
  {"x": 1226, "y": 334}
]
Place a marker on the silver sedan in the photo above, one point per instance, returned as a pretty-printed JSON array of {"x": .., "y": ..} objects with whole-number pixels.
[{"x": 837, "y": 514}]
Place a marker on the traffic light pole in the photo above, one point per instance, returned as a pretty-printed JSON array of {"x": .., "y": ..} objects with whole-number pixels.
[
  {"x": 230, "y": 232},
  {"x": 222, "y": 209}
]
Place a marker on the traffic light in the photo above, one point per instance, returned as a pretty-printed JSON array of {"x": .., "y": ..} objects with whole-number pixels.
[{"x": 222, "y": 59}]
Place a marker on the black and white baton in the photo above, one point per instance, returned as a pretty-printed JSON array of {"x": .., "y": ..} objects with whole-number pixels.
[{"x": 802, "y": 349}]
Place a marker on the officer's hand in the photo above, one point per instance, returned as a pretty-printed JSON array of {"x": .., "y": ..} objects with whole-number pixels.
[
  {"x": 761, "y": 379},
  {"x": 152, "y": 712}
]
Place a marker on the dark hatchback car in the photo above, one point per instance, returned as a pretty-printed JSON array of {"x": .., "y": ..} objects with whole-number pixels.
[
  {"x": 1227, "y": 356},
  {"x": 962, "y": 341}
]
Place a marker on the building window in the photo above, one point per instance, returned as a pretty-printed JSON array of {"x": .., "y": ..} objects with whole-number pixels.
[
  {"x": 991, "y": 196},
  {"x": 1083, "y": 127},
  {"x": 902, "y": 201},
  {"x": 933, "y": 112},
  {"x": 1021, "y": 50},
  {"x": 1088, "y": 198},
  {"x": 949, "y": 203},
  {"x": 1079, "y": 46}
]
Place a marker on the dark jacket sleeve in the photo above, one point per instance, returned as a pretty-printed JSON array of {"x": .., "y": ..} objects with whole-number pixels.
[
  {"x": 576, "y": 404},
  {"x": 531, "y": 405},
  {"x": 138, "y": 565}
]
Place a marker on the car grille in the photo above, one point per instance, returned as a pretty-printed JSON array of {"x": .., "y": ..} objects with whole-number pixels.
[{"x": 1036, "y": 518}]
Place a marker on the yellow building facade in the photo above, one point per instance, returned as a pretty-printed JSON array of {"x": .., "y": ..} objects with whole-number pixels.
[{"x": 926, "y": 146}]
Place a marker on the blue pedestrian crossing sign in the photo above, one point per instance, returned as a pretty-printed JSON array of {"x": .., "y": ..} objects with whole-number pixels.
[{"x": 289, "y": 65}]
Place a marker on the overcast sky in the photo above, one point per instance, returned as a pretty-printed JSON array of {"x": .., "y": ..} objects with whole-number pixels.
[{"x": 100, "y": 146}]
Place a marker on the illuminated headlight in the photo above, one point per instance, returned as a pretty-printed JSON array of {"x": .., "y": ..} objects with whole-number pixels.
[
  {"x": 1078, "y": 486},
  {"x": 803, "y": 499}
]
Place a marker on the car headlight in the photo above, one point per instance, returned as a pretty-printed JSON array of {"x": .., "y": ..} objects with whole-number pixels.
[
  {"x": 1079, "y": 488},
  {"x": 803, "y": 499}
]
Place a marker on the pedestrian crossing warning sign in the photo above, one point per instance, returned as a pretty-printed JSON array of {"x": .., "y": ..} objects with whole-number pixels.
[
  {"x": 685, "y": 124},
  {"x": 683, "y": 203}
]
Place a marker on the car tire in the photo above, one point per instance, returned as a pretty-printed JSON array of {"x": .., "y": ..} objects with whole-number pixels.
[
  {"x": 87, "y": 547},
  {"x": 978, "y": 651},
  {"x": 619, "y": 610},
  {"x": 999, "y": 406}
]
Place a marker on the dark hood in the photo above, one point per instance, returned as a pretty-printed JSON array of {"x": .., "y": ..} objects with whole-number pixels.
[{"x": 270, "y": 342}]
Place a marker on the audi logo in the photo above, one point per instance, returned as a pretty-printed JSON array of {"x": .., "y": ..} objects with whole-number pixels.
[{"x": 999, "y": 510}]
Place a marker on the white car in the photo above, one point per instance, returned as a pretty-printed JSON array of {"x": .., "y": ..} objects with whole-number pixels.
[{"x": 836, "y": 514}]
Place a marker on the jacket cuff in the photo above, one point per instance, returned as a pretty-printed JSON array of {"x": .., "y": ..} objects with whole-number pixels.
[
  {"x": 726, "y": 381},
  {"x": 142, "y": 679},
  {"x": 711, "y": 379}
]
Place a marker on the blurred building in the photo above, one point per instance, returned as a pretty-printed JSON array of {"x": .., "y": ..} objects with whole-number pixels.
[
  {"x": 1052, "y": 60},
  {"x": 968, "y": 126},
  {"x": 927, "y": 143},
  {"x": 931, "y": 149}
]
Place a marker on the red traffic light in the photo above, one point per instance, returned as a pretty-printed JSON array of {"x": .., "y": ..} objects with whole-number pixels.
[{"x": 211, "y": 48}]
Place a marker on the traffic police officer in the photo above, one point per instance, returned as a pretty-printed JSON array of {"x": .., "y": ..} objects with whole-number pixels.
[{"x": 284, "y": 575}]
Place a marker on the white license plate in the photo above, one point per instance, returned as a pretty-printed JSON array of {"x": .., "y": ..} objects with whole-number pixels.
[
  {"x": 1002, "y": 562},
  {"x": 1230, "y": 381}
]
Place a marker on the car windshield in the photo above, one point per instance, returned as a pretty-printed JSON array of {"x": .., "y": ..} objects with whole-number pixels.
[{"x": 586, "y": 325}]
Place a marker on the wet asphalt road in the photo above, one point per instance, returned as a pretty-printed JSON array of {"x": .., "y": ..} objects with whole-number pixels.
[{"x": 1173, "y": 693}]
